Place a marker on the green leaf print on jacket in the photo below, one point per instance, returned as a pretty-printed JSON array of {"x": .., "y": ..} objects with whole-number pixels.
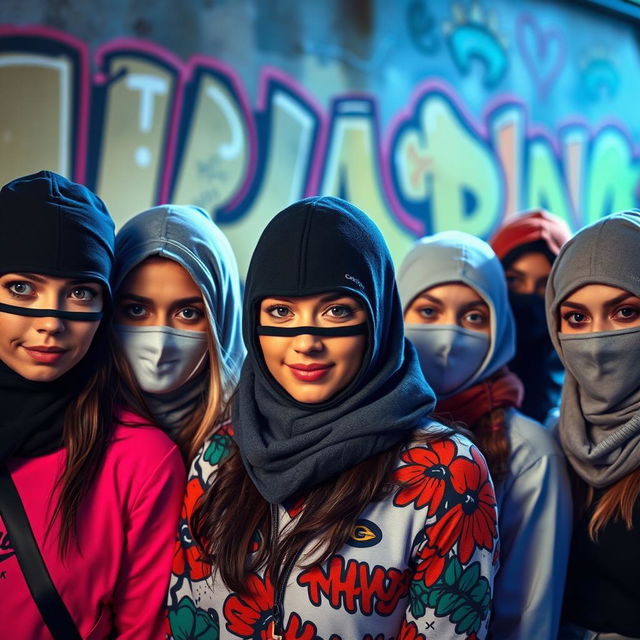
[
  {"x": 462, "y": 595},
  {"x": 218, "y": 449},
  {"x": 188, "y": 622}
]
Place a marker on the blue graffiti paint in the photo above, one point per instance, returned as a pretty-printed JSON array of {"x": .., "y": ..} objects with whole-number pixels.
[{"x": 473, "y": 42}]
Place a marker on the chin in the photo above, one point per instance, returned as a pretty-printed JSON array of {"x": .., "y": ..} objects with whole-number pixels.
[
  {"x": 41, "y": 374},
  {"x": 310, "y": 396},
  {"x": 315, "y": 396}
]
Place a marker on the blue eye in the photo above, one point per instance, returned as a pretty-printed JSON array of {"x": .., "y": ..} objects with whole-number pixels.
[
  {"x": 475, "y": 317},
  {"x": 341, "y": 311}
]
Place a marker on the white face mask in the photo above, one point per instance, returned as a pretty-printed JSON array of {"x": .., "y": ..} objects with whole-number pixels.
[
  {"x": 162, "y": 358},
  {"x": 449, "y": 355}
]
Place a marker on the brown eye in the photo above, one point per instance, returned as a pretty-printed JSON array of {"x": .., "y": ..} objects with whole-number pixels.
[
  {"x": 575, "y": 319},
  {"x": 278, "y": 311},
  {"x": 135, "y": 311},
  {"x": 626, "y": 314},
  {"x": 82, "y": 293},
  {"x": 20, "y": 289},
  {"x": 190, "y": 314}
]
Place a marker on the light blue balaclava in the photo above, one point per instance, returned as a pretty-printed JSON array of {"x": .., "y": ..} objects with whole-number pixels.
[
  {"x": 454, "y": 256},
  {"x": 187, "y": 235}
]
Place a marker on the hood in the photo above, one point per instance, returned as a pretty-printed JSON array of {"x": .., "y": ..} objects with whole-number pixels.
[
  {"x": 187, "y": 235},
  {"x": 455, "y": 256}
]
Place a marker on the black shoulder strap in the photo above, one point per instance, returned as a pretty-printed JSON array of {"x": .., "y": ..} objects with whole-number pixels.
[{"x": 47, "y": 599}]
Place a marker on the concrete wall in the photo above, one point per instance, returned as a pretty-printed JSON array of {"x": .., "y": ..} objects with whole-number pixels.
[{"x": 428, "y": 115}]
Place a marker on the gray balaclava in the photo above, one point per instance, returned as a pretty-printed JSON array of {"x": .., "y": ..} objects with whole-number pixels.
[
  {"x": 455, "y": 256},
  {"x": 187, "y": 235},
  {"x": 599, "y": 413}
]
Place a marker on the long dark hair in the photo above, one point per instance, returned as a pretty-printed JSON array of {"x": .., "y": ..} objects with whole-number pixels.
[
  {"x": 232, "y": 516},
  {"x": 88, "y": 429},
  {"x": 489, "y": 433}
]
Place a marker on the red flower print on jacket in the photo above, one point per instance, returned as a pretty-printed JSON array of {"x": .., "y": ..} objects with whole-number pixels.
[
  {"x": 186, "y": 557},
  {"x": 250, "y": 616},
  {"x": 424, "y": 477},
  {"x": 409, "y": 631},
  {"x": 430, "y": 565},
  {"x": 472, "y": 522}
]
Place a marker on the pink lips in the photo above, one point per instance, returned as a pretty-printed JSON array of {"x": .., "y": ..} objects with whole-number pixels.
[
  {"x": 309, "y": 372},
  {"x": 46, "y": 355}
]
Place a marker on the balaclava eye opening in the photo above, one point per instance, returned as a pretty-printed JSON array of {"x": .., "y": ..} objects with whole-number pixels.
[
  {"x": 364, "y": 328},
  {"x": 71, "y": 235},
  {"x": 599, "y": 424}
]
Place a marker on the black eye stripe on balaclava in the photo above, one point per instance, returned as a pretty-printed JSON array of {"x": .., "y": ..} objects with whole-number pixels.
[
  {"x": 82, "y": 316},
  {"x": 336, "y": 332},
  {"x": 315, "y": 246},
  {"x": 69, "y": 236},
  {"x": 54, "y": 227}
]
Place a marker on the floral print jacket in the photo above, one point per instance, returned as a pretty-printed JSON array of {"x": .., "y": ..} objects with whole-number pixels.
[{"x": 419, "y": 564}]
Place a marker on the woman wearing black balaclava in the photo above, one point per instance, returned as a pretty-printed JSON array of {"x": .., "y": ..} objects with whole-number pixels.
[
  {"x": 593, "y": 311},
  {"x": 527, "y": 246},
  {"x": 334, "y": 505},
  {"x": 100, "y": 489}
]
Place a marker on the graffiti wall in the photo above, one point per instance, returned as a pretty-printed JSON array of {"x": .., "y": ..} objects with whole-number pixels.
[{"x": 461, "y": 115}]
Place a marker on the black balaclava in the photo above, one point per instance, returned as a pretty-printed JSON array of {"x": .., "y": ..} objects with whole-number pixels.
[
  {"x": 55, "y": 227},
  {"x": 319, "y": 245},
  {"x": 536, "y": 362}
]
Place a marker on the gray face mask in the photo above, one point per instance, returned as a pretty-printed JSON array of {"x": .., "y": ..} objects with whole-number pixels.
[
  {"x": 162, "y": 358},
  {"x": 449, "y": 355},
  {"x": 602, "y": 363}
]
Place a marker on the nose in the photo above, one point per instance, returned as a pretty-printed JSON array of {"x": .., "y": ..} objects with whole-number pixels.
[
  {"x": 307, "y": 343},
  {"x": 49, "y": 325},
  {"x": 529, "y": 286},
  {"x": 600, "y": 324}
]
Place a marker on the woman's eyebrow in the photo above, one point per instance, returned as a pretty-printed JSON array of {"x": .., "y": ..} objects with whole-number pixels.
[
  {"x": 191, "y": 300},
  {"x": 609, "y": 303},
  {"x": 475, "y": 305},
  {"x": 430, "y": 298},
  {"x": 276, "y": 299},
  {"x": 32, "y": 276},
  {"x": 573, "y": 305},
  {"x": 133, "y": 296},
  {"x": 339, "y": 296},
  {"x": 621, "y": 298}
]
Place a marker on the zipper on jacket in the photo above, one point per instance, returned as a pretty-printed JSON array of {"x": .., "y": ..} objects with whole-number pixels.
[{"x": 280, "y": 584}]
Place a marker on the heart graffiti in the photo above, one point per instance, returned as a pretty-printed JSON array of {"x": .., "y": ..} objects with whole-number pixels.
[{"x": 543, "y": 52}]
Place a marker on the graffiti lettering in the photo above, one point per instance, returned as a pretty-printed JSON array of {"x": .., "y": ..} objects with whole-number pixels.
[
  {"x": 150, "y": 128},
  {"x": 354, "y": 584}
]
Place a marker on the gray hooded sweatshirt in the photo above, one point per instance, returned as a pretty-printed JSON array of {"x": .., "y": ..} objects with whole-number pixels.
[
  {"x": 534, "y": 497},
  {"x": 187, "y": 235}
]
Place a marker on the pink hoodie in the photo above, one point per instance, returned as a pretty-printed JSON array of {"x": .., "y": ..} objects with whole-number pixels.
[{"x": 126, "y": 529}]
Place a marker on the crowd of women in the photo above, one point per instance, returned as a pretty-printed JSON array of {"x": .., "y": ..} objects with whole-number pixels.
[{"x": 339, "y": 451}]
